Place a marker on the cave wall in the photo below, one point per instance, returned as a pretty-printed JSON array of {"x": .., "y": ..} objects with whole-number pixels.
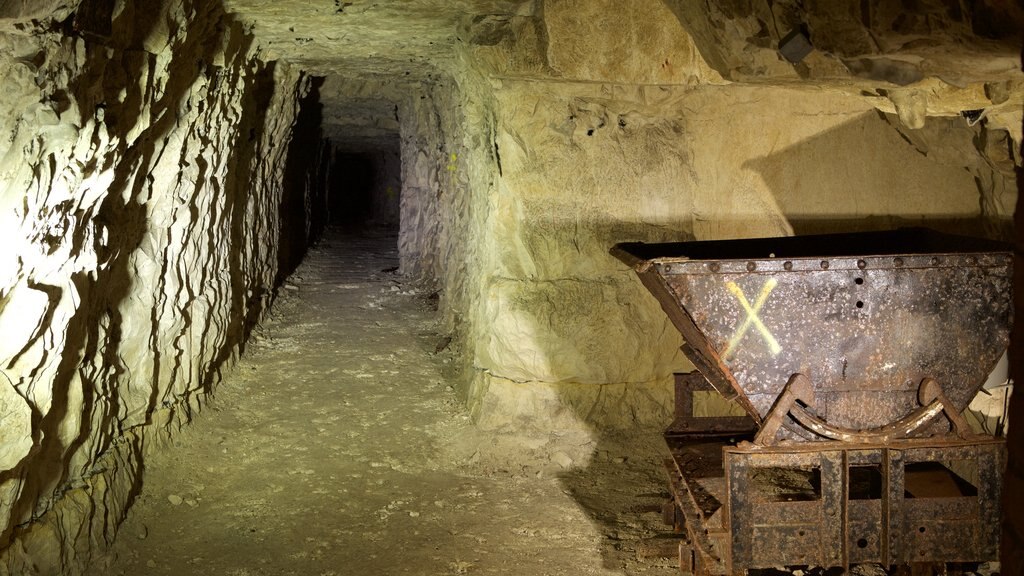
[
  {"x": 424, "y": 181},
  {"x": 596, "y": 144},
  {"x": 142, "y": 170},
  {"x": 449, "y": 171}
]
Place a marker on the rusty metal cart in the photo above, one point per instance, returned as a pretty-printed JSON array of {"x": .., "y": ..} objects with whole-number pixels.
[{"x": 849, "y": 359}]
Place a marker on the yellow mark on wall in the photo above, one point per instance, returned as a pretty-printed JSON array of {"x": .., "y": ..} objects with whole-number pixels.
[
  {"x": 752, "y": 317},
  {"x": 452, "y": 166}
]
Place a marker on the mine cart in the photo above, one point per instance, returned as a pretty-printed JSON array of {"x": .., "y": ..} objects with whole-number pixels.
[{"x": 848, "y": 360}]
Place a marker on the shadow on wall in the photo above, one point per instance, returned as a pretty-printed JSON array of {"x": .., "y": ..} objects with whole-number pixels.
[
  {"x": 965, "y": 226},
  {"x": 248, "y": 302},
  {"x": 302, "y": 200},
  {"x": 867, "y": 175}
]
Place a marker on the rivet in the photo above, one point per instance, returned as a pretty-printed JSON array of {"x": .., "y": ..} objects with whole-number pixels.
[
  {"x": 861, "y": 264},
  {"x": 751, "y": 266},
  {"x": 898, "y": 262},
  {"x": 824, "y": 264},
  {"x": 714, "y": 266},
  {"x": 668, "y": 267},
  {"x": 935, "y": 261},
  {"x": 787, "y": 265}
]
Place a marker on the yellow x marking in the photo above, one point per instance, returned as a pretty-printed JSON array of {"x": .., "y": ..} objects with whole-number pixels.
[{"x": 752, "y": 318}]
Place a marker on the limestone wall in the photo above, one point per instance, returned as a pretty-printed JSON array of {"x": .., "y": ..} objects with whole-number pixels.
[
  {"x": 142, "y": 161},
  {"x": 449, "y": 169},
  {"x": 425, "y": 178}
]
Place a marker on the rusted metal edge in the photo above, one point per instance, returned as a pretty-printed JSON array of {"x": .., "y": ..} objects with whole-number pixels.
[
  {"x": 899, "y": 429},
  {"x": 686, "y": 425},
  {"x": 697, "y": 349},
  {"x": 887, "y": 243},
  {"x": 696, "y": 530},
  {"x": 683, "y": 265},
  {"x": 800, "y": 390},
  {"x": 901, "y": 521},
  {"x": 836, "y": 445},
  {"x": 621, "y": 252}
]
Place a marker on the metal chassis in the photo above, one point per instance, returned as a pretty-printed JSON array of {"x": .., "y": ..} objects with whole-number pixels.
[{"x": 735, "y": 529}]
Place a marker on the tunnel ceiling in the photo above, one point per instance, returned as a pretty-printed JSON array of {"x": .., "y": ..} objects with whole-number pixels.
[
  {"x": 914, "y": 58},
  {"x": 366, "y": 38},
  {"x": 961, "y": 41},
  {"x": 373, "y": 54},
  {"x": 361, "y": 123}
]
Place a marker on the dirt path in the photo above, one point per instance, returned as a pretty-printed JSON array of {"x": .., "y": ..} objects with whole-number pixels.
[{"x": 337, "y": 447}]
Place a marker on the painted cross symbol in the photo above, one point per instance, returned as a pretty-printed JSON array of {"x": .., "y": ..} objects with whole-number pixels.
[{"x": 752, "y": 318}]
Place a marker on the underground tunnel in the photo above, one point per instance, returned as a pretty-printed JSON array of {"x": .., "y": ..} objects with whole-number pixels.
[{"x": 432, "y": 287}]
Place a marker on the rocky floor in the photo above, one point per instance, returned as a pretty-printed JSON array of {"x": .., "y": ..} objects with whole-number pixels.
[{"x": 338, "y": 445}]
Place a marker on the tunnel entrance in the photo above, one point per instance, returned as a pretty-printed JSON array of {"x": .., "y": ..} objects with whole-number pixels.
[{"x": 364, "y": 189}]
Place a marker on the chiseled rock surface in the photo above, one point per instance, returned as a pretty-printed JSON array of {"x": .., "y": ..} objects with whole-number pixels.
[
  {"x": 141, "y": 172},
  {"x": 636, "y": 43},
  {"x": 353, "y": 38}
]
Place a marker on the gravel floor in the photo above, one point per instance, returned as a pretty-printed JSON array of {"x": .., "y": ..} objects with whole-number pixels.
[{"x": 338, "y": 445}]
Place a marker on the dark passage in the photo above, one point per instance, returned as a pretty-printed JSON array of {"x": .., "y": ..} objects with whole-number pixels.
[{"x": 364, "y": 189}]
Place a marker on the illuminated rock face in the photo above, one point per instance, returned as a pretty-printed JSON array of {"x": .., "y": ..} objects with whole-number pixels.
[
  {"x": 140, "y": 183},
  {"x": 148, "y": 209}
]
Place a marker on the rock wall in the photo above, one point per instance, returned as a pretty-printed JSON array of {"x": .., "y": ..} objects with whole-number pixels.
[
  {"x": 566, "y": 126},
  {"x": 449, "y": 166},
  {"x": 142, "y": 170},
  {"x": 425, "y": 179}
]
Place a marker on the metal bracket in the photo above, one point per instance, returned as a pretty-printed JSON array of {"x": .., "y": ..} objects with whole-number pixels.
[
  {"x": 799, "y": 390},
  {"x": 685, "y": 423}
]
